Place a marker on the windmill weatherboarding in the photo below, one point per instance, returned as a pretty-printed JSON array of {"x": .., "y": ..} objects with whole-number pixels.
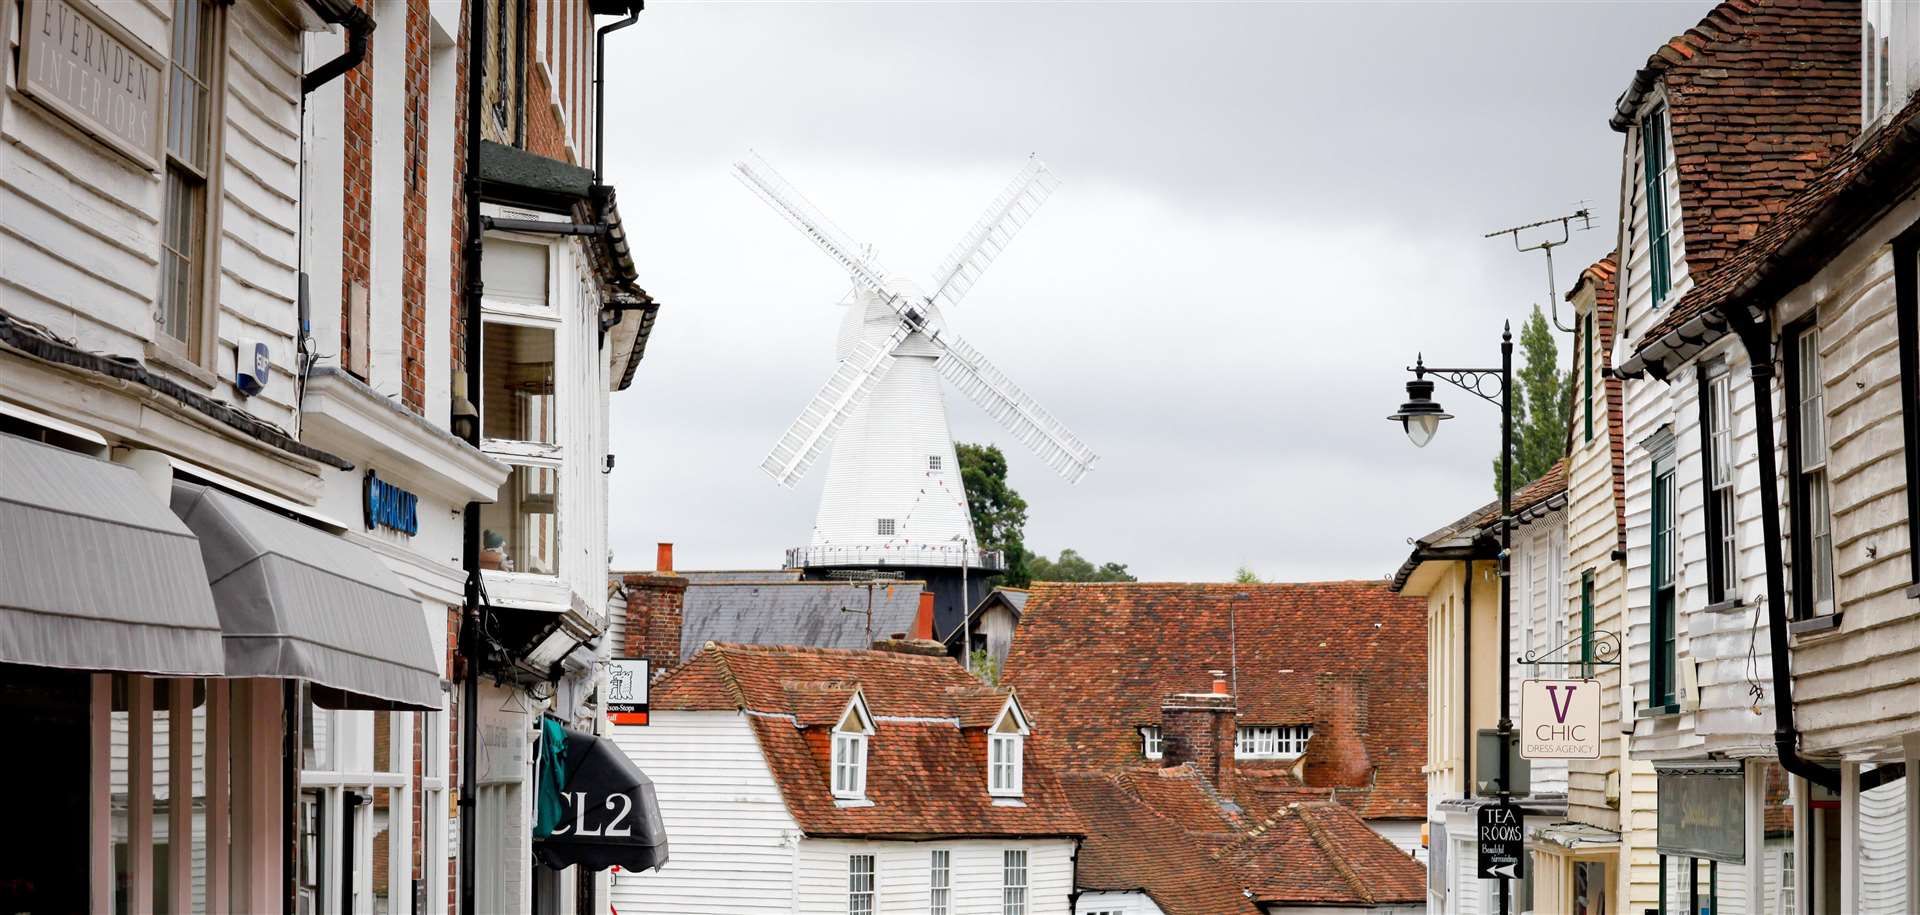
[{"x": 893, "y": 495}]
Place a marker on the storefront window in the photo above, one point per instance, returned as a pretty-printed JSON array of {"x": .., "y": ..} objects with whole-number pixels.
[
  {"x": 166, "y": 799},
  {"x": 1776, "y": 849}
]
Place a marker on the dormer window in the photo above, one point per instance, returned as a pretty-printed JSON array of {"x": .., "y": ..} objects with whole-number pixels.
[
  {"x": 1272, "y": 741},
  {"x": 1880, "y": 88},
  {"x": 1006, "y": 756},
  {"x": 1653, "y": 172},
  {"x": 1150, "y": 741},
  {"x": 850, "y": 751}
]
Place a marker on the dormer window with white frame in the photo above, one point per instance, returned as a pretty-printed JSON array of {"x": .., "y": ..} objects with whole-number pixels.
[
  {"x": 1889, "y": 58},
  {"x": 1006, "y": 752},
  {"x": 1270, "y": 741},
  {"x": 1150, "y": 741},
  {"x": 850, "y": 738}
]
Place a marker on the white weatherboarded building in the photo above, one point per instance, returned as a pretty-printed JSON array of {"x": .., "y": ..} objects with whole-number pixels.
[{"x": 826, "y": 780}]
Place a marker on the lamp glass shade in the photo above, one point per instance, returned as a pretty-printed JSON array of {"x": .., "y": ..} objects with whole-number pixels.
[{"x": 1421, "y": 427}]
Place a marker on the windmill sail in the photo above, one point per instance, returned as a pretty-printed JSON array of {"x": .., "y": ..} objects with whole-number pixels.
[
  {"x": 846, "y": 389},
  {"x": 987, "y": 386},
  {"x": 760, "y": 178},
  {"x": 990, "y": 235}
]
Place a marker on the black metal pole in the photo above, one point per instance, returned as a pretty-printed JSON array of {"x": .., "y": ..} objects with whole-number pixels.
[
  {"x": 1506, "y": 581},
  {"x": 470, "y": 545}
]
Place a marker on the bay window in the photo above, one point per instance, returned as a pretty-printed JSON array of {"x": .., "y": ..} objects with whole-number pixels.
[{"x": 520, "y": 408}]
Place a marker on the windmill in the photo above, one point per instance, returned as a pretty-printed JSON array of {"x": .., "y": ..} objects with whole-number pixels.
[{"x": 893, "y": 495}]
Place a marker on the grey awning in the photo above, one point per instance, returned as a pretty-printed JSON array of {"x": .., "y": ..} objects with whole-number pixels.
[
  {"x": 95, "y": 573},
  {"x": 298, "y": 602}
]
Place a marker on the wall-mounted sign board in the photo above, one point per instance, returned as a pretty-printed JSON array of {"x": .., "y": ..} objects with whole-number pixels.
[
  {"x": 627, "y": 690},
  {"x": 89, "y": 69},
  {"x": 1560, "y": 719}
]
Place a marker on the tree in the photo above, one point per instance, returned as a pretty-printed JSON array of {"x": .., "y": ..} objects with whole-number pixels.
[
  {"x": 1071, "y": 566},
  {"x": 999, "y": 514},
  {"x": 1245, "y": 576},
  {"x": 1542, "y": 404}
]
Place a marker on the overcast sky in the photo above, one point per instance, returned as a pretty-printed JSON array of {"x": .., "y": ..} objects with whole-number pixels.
[{"x": 1265, "y": 211}]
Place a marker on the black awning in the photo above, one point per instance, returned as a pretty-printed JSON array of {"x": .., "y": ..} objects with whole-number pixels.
[{"x": 610, "y": 813}]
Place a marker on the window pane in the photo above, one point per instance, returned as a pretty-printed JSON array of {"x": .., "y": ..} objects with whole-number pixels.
[
  {"x": 1813, "y": 424},
  {"x": 522, "y": 526},
  {"x": 199, "y": 796},
  {"x": 515, "y": 272},
  {"x": 180, "y": 257},
  {"x": 517, "y": 402},
  {"x": 1822, "y": 547},
  {"x": 163, "y": 840}
]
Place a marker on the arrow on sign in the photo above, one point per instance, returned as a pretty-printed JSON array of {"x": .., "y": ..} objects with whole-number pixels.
[{"x": 1509, "y": 871}]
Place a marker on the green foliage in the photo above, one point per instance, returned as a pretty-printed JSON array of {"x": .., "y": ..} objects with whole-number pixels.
[
  {"x": 984, "y": 667},
  {"x": 1245, "y": 576},
  {"x": 1542, "y": 404},
  {"x": 999, "y": 514},
  {"x": 1071, "y": 566}
]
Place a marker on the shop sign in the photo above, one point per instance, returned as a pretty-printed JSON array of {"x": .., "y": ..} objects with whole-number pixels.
[
  {"x": 627, "y": 690},
  {"x": 1703, "y": 812},
  {"x": 1503, "y": 841},
  {"x": 1560, "y": 719},
  {"x": 80, "y": 63},
  {"x": 389, "y": 506}
]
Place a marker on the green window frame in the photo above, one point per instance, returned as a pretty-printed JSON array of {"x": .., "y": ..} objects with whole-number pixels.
[
  {"x": 1662, "y": 688},
  {"x": 1653, "y": 169},
  {"x": 1586, "y": 623}
]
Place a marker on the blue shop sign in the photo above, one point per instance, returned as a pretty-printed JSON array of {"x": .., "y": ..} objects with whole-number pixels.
[{"x": 389, "y": 506}]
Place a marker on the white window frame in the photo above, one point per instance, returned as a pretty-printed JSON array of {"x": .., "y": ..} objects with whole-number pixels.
[
  {"x": 1880, "y": 84},
  {"x": 1006, "y": 752},
  {"x": 1814, "y": 455},
  {"x": 1720, "y": 477},
  {"x": 1271, "y": 741},
  {"x": 1014, "y": 881},
  {"x": 548, "y": 315},
  {"x": 196, "y": 351},
  {"x": 863, "y": 896},
  {"x": 850, "y": 751},
  {"x": 940, "y": 882},
  {"x": 1150, "y": 741}
]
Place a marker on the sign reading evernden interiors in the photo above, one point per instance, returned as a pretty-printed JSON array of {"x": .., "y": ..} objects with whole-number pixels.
[{"x": 76, "y": 60}]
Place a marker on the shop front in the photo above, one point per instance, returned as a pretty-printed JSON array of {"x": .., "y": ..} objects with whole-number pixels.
[{"x": 1729, "y": 837}]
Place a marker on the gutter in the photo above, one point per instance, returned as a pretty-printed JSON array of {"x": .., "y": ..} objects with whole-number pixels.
[
  {"x": 600, "y": 88},
  {"x": 359, "y": 30}
]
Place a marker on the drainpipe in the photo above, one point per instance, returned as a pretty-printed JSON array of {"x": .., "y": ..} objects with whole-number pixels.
[
  {"x": 359, "y": 30},
  {"x": 1757, "y": 337},
  {"x": 1466, "y": 685},
  {"x": 600, "y": 89},
  {"x": 470, "y": 539}
]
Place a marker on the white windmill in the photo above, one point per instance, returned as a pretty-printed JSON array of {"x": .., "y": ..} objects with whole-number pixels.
[{"x": 893, "y": 495}]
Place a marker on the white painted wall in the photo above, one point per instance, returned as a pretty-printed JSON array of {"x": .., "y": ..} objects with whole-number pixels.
[
  {"x": 1117, "y": 904},
  {"x": 903, "y": 869},
  {"x": 733, "y": 842},
  {"x": 1539, "y": 622},
  {"x": 1404, "y": 834}
]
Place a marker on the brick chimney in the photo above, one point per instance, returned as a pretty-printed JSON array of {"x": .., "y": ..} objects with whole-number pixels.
[
  {"x": 663, "y": 559},
  {"x": 656, "y": 604},
  {"x": 923, "y": 621},
  {"x": 1200, "y": 728},
  {"x": 1336, "y": 754}
]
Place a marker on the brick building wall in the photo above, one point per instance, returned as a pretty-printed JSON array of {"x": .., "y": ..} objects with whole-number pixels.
[
  {"x": 656, "y": 606},
  {"x": 1200, "y": 728},
  {"x": 356, "y": 212}
]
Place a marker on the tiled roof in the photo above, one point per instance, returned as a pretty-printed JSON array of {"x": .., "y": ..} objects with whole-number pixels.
[
  {"x": 821, "y": 614},
  {"x": 1545, "y": 494},
  {"x": 1014, "y": 599},
  {"x": 1163, "y": 832},
  {"x": 1760, "y": 94},
  {"x": 1856, "y": 187},
  {"x": 1094, "y": 662},
  {"x": 1322, "y": 854},
  {"x": 927, "y": 759}
]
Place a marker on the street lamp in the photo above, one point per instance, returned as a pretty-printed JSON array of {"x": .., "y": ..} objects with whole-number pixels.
[{"x": 1420, "y": 416}]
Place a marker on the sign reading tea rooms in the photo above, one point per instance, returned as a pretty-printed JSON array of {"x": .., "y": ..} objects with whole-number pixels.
[{"x": 80, "y": 63}]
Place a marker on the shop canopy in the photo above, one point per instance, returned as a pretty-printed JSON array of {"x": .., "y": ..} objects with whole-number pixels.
[
  {"x": 607, "y": 813},
  {"x": 95, "y": 572},
  {"x": 297, "y": 602}
]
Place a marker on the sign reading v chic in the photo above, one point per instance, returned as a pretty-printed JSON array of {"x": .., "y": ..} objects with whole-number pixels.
[{"x": 1560, "y": 719}]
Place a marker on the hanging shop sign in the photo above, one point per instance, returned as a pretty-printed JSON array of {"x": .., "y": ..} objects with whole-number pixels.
[
  {"x": 76, "y": 60},
  {"x": 1503, "y": 841},
  {"x": 596, "y": 809},
  {"x": 389, "y": 506},
  {"x": 1560, "y": 719},
  {"x": 627, "y": 690},
  {"x": 1703, "y": 812}
]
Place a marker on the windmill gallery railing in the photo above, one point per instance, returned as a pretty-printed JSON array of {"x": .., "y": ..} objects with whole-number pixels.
[{"x": 902, "y": 555}]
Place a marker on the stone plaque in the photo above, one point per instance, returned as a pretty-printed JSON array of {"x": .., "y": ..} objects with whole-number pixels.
[{"x": 80, "y": 63}]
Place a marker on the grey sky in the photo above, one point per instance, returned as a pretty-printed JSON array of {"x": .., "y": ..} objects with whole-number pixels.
[{"x": 1266, "y": 210}]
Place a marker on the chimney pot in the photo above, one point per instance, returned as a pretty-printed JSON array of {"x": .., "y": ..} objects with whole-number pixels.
[
  {"x": 1219, "y": 682},
  {"x": 663, "y": 560},
  {"x": 923, "y": 621}
]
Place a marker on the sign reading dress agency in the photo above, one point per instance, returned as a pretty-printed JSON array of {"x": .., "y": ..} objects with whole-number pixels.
[
  {"x": 1560, "y": 719},
  {"x": 1503, "y": 841}
]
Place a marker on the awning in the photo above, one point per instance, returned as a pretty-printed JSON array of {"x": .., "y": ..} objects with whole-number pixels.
[
  {"x": 300, "y": 603},
  {"x": 95, "y": 573},
  {"x": 609, "y": 813}
]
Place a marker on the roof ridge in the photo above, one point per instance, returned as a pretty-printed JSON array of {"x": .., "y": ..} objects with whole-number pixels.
[{"x": 727, "y": 675}]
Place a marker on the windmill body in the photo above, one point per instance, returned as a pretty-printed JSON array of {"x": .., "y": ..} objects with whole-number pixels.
[{"x": 893, "y": 498}]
